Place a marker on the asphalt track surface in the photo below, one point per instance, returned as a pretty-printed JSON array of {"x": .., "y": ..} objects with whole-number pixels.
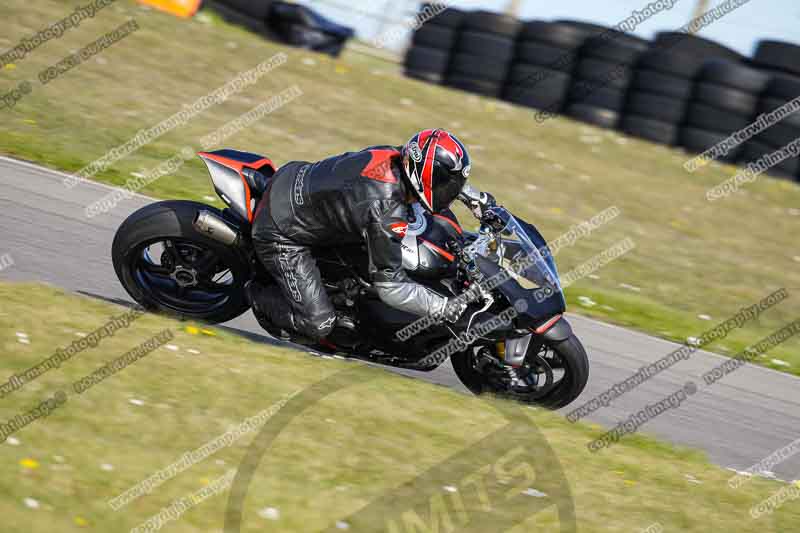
[{"x": 738, "y": 421}]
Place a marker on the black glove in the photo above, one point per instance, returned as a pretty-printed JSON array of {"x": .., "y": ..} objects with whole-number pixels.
[
  {"x": 493, "y": 221},
  {"x": 453, "y": 309},
  {"x": 477, "y": 202},
  {"x": 480, "y": 207}
]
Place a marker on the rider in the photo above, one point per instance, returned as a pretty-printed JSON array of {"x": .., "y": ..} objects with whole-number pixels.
[{"x": 352, "y": 197}]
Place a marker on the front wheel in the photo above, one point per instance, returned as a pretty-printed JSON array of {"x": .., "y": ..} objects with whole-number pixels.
[
  {"x": 554, "y": 374},
  {"x": 168, "y": 266}
]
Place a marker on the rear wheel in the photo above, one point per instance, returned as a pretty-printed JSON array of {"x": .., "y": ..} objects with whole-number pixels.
[
  {"x": 166, "y": 265},
  {"x": 554, "y": 374}
]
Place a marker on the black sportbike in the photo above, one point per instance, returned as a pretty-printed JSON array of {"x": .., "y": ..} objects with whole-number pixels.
[{"x": 192, "y": 260}]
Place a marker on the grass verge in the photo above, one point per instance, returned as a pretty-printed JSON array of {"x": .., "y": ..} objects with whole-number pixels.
[
  {"x": 333, "y": 459},
  {"x": 693, "y": 259}
]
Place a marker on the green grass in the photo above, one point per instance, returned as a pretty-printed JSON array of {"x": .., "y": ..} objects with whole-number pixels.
[
  {"x": 692, "y": 257},
  {"x": 333, "y": 459}
]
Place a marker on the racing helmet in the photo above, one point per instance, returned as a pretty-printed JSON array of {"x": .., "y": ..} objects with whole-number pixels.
[{"x": 437, "y": 166}]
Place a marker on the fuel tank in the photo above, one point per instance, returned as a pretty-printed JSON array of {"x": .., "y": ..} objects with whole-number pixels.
[{"x": 425, "y": 251}]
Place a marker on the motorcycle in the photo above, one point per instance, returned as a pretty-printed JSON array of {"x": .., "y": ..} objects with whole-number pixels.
[{"x": 192, "y": 260}]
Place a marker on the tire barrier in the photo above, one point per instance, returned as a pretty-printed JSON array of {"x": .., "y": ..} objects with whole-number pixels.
[
  {"x": 725, "y": 100},
  {"x": 664, "y": 85},
  {"x": 780, "y": 61},
  {"x": 427, "y": 64},
  {"x": 604, "y": 75},
  {"x": 677, "y": 89},
  {"x": 545, "y": 58},
  {"x": 433, "y": 43},
  {"x": 483, "y": 53}
]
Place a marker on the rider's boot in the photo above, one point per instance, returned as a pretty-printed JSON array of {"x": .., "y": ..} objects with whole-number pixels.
[
  {"x": 344, "y": 333},
  {"x": 271, "y": 309}
]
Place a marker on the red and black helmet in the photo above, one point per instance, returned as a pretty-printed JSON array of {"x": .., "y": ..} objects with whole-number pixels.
[{"x": 437, "y": 165}]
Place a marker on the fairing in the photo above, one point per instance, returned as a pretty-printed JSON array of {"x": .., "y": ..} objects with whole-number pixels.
[
  {"x": 226, "y": 169},
  {"x": 523, "y": 254}
]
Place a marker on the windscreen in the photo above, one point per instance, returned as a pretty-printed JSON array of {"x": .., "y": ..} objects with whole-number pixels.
[{"x": 522, "y": 252}]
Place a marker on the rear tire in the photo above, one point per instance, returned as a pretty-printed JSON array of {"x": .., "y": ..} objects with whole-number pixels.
[{"x": 173, "y": 221}]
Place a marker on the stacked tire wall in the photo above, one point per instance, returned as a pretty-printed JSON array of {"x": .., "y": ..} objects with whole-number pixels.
[
  {"x": 663, "y": 86},
  {"x": 603, "y": 77},
  {"x": 432, "y": 46},
  {"x": 545, "y": 57},
  {"x": 483, "y": 53},
  {"x": 781, "y": 62},
  {"x": 725, "y": 100},
  {"x": 678, "y": 89},
  {"x": 660, "y": 92}
]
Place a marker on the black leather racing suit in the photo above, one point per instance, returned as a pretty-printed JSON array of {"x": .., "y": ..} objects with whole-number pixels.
[{"x": 352, "y": 197}]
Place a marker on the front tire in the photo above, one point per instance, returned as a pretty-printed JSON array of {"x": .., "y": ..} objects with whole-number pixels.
[
  {"x": 167, "y": 266},
  {"x": 569, "y": 355}
]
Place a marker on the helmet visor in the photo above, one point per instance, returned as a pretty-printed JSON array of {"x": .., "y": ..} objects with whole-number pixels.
[{"x": 446, "y": 188}]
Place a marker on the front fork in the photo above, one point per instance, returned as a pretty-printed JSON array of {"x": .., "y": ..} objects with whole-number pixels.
[{"x": 514, "y": 351}]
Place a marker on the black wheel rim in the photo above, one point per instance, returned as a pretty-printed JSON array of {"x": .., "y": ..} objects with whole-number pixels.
[
  {"x": 541, "y": 375},
  {"x": 184, "y": 276}
]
